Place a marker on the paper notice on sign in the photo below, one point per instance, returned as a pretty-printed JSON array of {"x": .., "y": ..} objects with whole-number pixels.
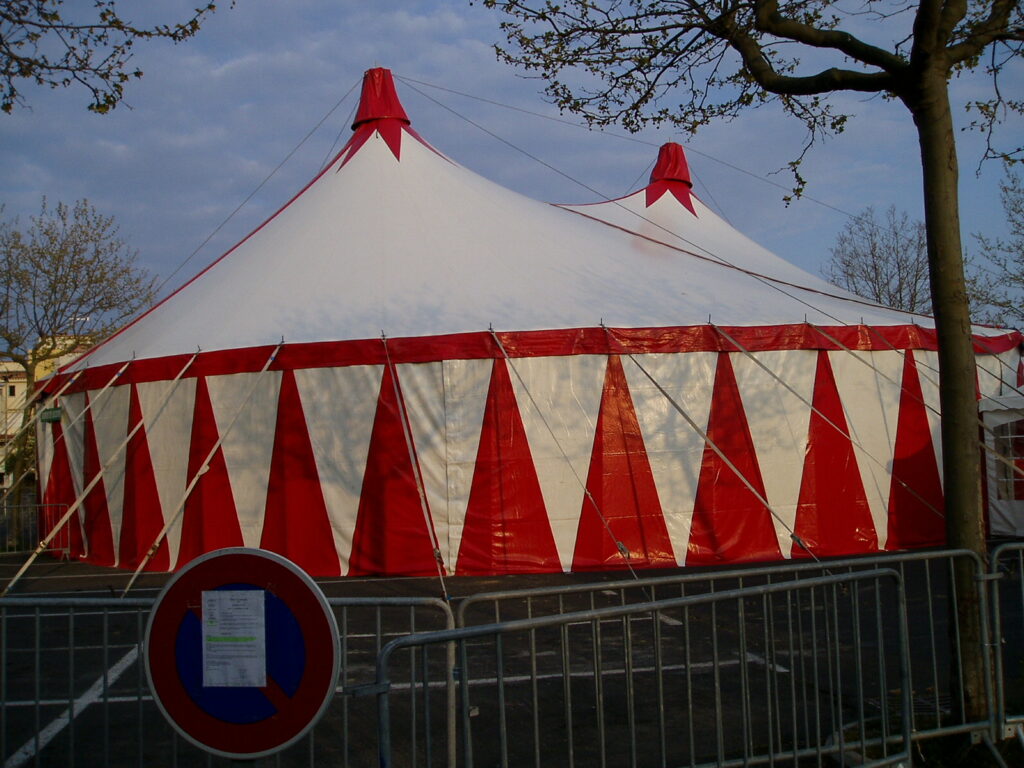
[{"x": 234, "y": 639}]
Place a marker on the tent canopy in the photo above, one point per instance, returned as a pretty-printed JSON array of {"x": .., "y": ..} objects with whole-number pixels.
[
  {"x": 411, "y": 370},
  {"x": 395, "y": 238}
]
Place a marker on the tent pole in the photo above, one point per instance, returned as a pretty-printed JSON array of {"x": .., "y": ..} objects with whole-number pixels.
[
  {"x": 180, "y": 507},
  {"x": 854, "y": 441},
  {"x": 619, "y": 545},
  {"x": 711, "y": 443},
  {"x": 1014, "y": 388},
  {"x": 921, "y": 400},
  {"x": 32, "y": 423},
  {"x": 74, "y": 421},
  {"x": 81, "y": 498},
  {"x": 35, "y": 417},
  {"x": 414, "y": 462}
]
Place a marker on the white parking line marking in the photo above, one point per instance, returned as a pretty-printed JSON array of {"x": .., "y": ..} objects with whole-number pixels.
[
  {"x": 49, "y": 733},
  {"x": 764, "y": 662}
]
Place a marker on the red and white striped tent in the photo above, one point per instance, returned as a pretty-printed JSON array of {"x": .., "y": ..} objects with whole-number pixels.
[{"x": 409, "y": 369}]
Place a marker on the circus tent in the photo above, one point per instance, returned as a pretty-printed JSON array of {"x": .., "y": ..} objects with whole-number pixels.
[{"x": 410, "y": 370}]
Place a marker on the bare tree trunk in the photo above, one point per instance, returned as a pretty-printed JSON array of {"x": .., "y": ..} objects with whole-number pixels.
[
  {"x": 961, "y": 468},
  {"x": 23, "y": 454}
]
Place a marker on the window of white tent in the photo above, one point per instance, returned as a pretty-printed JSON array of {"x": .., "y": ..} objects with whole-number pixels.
[
  {"x": 1009, "y": 442},
  {"x": 1004, "y": 460}
]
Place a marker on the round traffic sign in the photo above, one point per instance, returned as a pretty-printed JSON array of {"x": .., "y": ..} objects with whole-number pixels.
[{"x": 241, "y": 652}]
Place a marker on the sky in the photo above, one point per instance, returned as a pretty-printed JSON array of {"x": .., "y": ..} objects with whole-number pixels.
[{"x": 226, "y": 127}]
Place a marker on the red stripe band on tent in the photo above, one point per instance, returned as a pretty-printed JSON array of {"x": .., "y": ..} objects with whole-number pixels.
[{"x": 572, "y": 341}]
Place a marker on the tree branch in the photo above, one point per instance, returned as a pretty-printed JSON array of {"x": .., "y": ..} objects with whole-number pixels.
[
  {"x": 993, "y": 28},
  {"x": 825, "y": 81},
  {"x": 768, "y": 19}
]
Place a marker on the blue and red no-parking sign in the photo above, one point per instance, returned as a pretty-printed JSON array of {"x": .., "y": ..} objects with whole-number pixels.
[{"x": 295, "y": 645}]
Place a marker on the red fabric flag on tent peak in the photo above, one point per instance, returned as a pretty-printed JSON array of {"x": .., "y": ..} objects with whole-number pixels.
[
  {"x": 379, "y": 101},
  {"x": 671, "y": 174},
  {"x": 380, "y": 111}
]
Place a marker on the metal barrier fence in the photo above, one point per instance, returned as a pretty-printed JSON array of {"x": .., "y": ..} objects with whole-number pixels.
[
  {"x": 1008, "y": 634},
  {"x": 928, "y": 576},
  {"x": 23, "y": 525},
  {"x": 73, "y": 690},
  {"x": 755, "y": 675}
]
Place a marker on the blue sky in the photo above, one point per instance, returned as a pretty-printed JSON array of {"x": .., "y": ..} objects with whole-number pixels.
[{"x": 213, "y": 117}]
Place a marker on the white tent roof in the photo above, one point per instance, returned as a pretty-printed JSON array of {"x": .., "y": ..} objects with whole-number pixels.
[
  {"x": 393, "y": 237},
  {"x": 547, "y": 445},
  {"x": 668, "y": 212}
]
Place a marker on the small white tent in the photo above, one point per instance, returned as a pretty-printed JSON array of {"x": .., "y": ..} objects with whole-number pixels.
[{"x": 410, "y": 369}]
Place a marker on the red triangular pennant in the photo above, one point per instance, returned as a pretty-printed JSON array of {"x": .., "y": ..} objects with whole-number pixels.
[
  {"x": 671, "y": 174},
  {"x": 142, "y": 518},
  {"x": 98, "y": 537},
  {"x": 622, "y": 506},
  {"x": 209, "y": 520},
  {"x": 57, "y": 500},
  {"x": 296, "y": 523},
  {"x": 832, "y": 516},
  {"x": 916, "y": 505},
  {"x": 681, "y": 192},
  {"x": 507, "y": 528},
  {"x": 391, "y": 535},
  {"x": 730, "y": 522}
]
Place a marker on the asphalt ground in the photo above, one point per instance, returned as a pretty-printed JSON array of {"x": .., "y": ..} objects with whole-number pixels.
[
  {"x": 52, "y": 576},
  {"x": 698, "y": 707}
]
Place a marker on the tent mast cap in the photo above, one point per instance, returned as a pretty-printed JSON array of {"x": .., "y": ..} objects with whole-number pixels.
[
  {"x": 379, "y": 101},
  {"x": 671, "y": 165}
]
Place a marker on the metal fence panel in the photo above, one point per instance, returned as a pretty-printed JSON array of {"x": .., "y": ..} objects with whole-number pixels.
[
  {"x": 789, "y": 671},
  {"x": 22, "y": 526},
  {"x": 1008, "y": 634},
  {"x": 73, "y": 691},
  {"x": 937, "y": 701}
]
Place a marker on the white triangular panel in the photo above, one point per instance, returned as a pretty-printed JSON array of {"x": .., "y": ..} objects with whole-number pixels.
[
  {"x": 245, "y": 407},
  {"x": 674, "y": 447},
  {"x": 1006, "y": 369},
  {"x": 928, "y": 373},
  {"x": 44, "y": 454},
  {"x": 993, "y": 370},
  {"x": 110, "y": 421},
  {"x": 778, "y": 419},
  {"x": 559, "y": 399},
  {"x": 869, "y": 387},
  {"x": 74, "y": 436},
  {"x": 1011, "y": 365},
  {"x": 466, "y": 383},
  {"x": 167, "y": 410},
  {"x": 422, "y": 387},
  {"x": 339, "y": 405}
]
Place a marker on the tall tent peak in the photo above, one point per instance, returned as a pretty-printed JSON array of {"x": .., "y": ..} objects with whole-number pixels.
[
  {"x": 380, "y": 112},
  {"x": 671, "y": 174},
  {"x": 379, "y": 100},
  {"x": 671, "y": 165}
]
